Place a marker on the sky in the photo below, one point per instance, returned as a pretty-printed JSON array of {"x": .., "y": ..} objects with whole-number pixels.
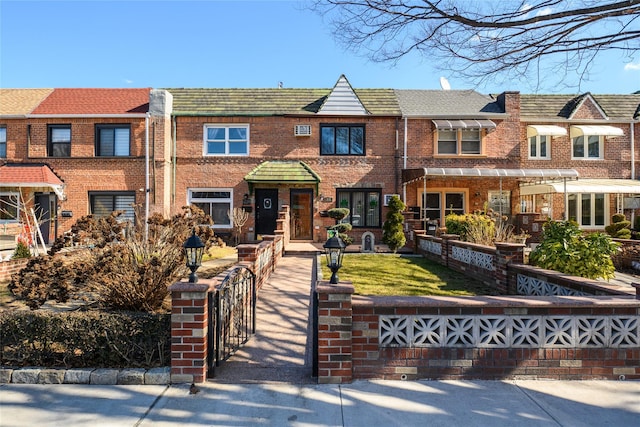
[{"x": 224, "y": 44}]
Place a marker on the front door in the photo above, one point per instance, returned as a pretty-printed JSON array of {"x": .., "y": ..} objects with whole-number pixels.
[
  {"x": 45, "y": 207},
  {"x": 266, "y": 210},
  {"x": 301, "y": 214}
]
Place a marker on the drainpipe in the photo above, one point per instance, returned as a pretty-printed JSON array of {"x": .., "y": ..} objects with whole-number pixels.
[
  {"x": 404, "y": 164},
  {"x": 633, "y": 157},
  {"x": 174, "y": 156},
  {"x": 146, "y": 176}
]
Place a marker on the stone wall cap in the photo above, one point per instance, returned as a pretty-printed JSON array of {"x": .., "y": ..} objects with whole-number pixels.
[
  {"x": 182, "y": 286},
  {"x": 324, "y": 287}
]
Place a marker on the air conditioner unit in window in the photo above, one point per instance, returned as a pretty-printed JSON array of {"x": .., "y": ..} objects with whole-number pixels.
[
  {"x": 302, "y": 130},
  {"x": 387, "y": 198}
]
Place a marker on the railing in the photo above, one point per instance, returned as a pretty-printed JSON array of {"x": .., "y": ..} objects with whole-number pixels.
[{"x": 232, "y": 315}]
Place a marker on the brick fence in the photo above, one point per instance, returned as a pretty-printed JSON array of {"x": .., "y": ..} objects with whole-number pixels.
[
  {"x": 510, "y": 337},
  {"x": 559, "y": 327}
]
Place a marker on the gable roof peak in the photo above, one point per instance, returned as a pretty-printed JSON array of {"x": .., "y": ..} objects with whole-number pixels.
[
  {"x": 343, "y": 100},
  {"x": 580, "y": 101}
]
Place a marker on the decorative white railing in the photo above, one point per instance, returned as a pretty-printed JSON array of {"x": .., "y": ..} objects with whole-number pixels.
[
  {"x": 510, "y": 331},
  {"x": 471, "y": 257},
  {"x": 431, "y": 247},
  {"x": 531, "y": 286}
]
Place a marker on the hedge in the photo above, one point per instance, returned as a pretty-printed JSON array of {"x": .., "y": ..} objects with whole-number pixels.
[{"x": 85, "y": 339}]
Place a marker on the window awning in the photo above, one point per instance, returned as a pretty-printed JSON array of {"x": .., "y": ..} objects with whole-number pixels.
[
  {"x": 464, "y": 124},
  {"x": 409, "y": 175},
  {"x": 282, "y": 172},
  {"x": 533, "y": 130},
  {"x": 31, "y": 176},
  {"x": 598, "y": 130},
  {"x": 607, "y": 186}
]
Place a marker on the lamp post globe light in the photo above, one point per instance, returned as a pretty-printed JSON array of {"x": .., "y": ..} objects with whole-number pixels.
[
  {"x": 334, "y": 250},
  {"x": 193, "y": 251}
]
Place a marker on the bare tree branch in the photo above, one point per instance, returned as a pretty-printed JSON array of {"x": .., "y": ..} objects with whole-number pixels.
[{"x": 481, "y": 39}]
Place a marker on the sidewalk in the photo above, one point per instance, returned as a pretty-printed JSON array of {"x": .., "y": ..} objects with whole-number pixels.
[{"x": 268, "y": 383}]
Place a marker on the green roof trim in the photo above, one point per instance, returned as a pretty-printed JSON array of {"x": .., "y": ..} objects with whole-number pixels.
[{"x": 282, "y": 172}]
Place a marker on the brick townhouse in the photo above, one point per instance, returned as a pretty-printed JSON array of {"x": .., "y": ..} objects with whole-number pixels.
[
  {"x": 70, "y": 152},
  {"x": 66, "y": 153}
]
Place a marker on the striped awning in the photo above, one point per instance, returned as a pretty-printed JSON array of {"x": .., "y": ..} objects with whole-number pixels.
[
  {"x": 409, "y": 175},
  {"x": 606, "y": 186},
  {"x": 464, "y": 124}
]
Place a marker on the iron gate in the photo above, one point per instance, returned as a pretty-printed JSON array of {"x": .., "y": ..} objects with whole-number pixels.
[{"x": 232, "y": 316}]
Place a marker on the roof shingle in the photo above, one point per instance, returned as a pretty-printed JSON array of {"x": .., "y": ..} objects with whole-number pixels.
[
  {"x": 18, "y": 102},
  {"x": 95, "y": 101}
]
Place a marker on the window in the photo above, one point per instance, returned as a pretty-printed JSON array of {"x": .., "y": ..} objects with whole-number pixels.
[
  {"x": 9, "y": 207},
  {"x": 3, "y": 142},
  {"x": 363, "y": 205},
  {"x": 59, "y": 140},
  {"x": 459, "y": 141},
  {"x": 437, "y": 205},
  {"x": 226, "y": 140},
  {"x": 103, "y": 204},
  {"x": 113, "y": 140},
  {"x": 217, "y": 203},
  {"x": 587, "y": 147},
  {"x": 539, "y": 146},
  {"x": 342, "y": 139},
  {"x": 588, "y": 209}
]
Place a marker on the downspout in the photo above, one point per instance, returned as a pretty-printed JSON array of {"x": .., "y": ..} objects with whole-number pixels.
[
  {"x": 146, "y": 177},
  {"x": 633, "y": 152},
  {"x": 404, "y": 159},
  {"x": 395, "y": 163},
  {"x": 566, "y": 200},
  {"x": 174, "y": 159}
]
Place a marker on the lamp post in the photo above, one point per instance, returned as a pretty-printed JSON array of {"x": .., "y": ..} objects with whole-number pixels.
[
  {"x": 193, "y": 251},
  {"x": 334, "y": 250}
]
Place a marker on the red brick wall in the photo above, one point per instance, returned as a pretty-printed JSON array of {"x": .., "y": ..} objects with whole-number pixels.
[{"x": 272, "y": 138}]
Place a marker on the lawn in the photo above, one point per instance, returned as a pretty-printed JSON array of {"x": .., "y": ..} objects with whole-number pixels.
[{"x": 382, "y": 274}]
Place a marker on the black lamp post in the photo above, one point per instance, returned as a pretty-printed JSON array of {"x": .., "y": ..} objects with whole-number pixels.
[
  {"x": 193, "y": 251},
  {"x": 334, "y": 250}
]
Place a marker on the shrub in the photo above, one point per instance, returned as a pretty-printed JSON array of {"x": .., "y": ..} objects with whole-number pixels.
[
  {"x": 120, "y": 270},
  {"x": 484, "y": 228},
  {"x": 566, "y": 249},
  {"x": 21, "y": 251},
  {"x": 392, "y": 232},
  {"x": 342, "y": 228},
  {"x": 619, "y": 227},
  {"x": 85, "y": 339}
]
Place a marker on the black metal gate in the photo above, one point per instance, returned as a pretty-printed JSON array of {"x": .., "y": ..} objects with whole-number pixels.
[{"x": 232, "y": 316}]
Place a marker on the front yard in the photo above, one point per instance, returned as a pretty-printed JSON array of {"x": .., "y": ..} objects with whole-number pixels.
[{"x": 395, "y": 275}]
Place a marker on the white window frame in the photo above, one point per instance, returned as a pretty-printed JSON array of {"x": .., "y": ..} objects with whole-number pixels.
[
  {"x": 16, "y": 195},
  {"x": 459, "y": 142},
  {"x": 535, "y": 139},
  {"x": 592, "y": 208},
  {"x": 585, "y": 142},
  {"x": 227, "y": 140},
  {"x": 191, "y": 200}
]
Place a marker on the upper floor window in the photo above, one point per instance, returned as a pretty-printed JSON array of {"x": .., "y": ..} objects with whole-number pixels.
[
  {"x": 113, "y": 140},
  {"x": 59, "y": 140},
  {"x": 364, "y": 206},
  {"x": 459, "y": 142},
  {"x": 3, "y": 142},
  {"x": 9, "y": 207},
  {"x": 226, "y": 140},
  {"x": 215, "y": 202},
  {"x": 103, "y": 203},
  {"x": 539, "y": 146},
  {"x": 342, "y": 139},
  {"x": 588, "y": 147}
]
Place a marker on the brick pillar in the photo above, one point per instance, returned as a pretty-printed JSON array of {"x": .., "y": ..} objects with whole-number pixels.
[
  {"x": 189, "y": 330},
  {"x": 446, "y": 248},
  {"x": 335, "y": 364},
  {"x": 507, "y": 253}
]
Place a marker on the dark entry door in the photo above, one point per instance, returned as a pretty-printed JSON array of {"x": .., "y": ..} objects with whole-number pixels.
[
  {"x": 301, "y": 215},
  {"x": 45, "y": 207},
  {"x": 266, "y": 210}
]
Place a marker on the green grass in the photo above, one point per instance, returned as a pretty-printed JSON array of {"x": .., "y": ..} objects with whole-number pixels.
[{"x": 396, "y": 275}]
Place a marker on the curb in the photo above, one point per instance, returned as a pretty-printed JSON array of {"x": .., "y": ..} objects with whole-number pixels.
[{"x": 97, "y": 376}]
